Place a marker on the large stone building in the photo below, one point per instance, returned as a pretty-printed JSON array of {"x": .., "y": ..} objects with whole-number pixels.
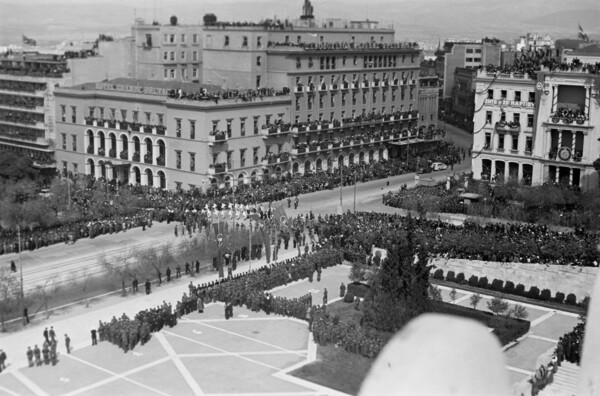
[
  {"x": 538, "y": 130},
  {"x": 338, "y": 93}
]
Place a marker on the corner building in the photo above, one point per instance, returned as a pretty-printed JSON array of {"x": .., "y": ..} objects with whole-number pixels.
[{"x": 346, "y": 99}]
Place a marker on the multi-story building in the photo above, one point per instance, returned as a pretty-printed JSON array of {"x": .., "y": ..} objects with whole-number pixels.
[
  {"x": 567, "y": 127},
  {"x": 463, "y": 93},
  {"x": 538, "y": 129},
  {"x": 504, "y": 123},
  {"x": 27, "y": 83},
  {"x": 428, "y": 102},
  {"x": 533, "y": 42},
  {"x": 167, "y": 52},
  {"x": 468, "y": 54},
  {"x": 331, "y": 103}
]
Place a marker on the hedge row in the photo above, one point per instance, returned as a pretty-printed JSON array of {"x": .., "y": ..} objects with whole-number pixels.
[{"x": 507, "y": 287}]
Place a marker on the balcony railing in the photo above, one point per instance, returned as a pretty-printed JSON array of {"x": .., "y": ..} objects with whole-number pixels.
[
  {"x": 217, "y": 169},
  {"x": 219, "y": 137}
]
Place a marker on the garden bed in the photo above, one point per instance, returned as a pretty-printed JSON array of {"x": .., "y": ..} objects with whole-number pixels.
[{"x": 507, "y": 329}]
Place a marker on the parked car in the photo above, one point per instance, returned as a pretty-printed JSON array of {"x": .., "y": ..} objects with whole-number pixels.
[{"x": 438, "y": 166}]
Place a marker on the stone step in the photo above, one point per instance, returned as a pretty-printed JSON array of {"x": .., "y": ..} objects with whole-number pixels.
[{"x": 564, "y": 382}]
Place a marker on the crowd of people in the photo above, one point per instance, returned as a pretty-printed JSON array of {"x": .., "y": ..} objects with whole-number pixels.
[
  {"x": 510, "y": 242},
  {"x": 244, "y": 95},
  {"x": 569, "y": 345},
  {"x": 185, "y": 205},
  {"x": 126, "y": 333}
]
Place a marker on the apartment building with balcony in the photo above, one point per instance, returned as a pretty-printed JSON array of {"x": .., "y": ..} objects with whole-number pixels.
[
  {"x": 568, "y": 127},
  {"x": 538, "y": 128},
  {"x": 504, "y": 124}
]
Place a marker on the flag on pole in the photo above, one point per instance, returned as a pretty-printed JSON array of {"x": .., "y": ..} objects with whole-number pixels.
[
  {"x": 29, "y": 41},
  {"x": 280, "y": 215}
]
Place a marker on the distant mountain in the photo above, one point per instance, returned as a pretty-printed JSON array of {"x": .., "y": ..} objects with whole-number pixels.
[{"x": 422, "y": 20}]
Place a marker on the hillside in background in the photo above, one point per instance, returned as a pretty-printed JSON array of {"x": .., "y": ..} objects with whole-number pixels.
[{"x": 423, "y": 20}]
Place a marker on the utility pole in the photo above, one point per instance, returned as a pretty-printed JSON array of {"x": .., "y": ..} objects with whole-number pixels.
[{"x": 341, "y": 184}]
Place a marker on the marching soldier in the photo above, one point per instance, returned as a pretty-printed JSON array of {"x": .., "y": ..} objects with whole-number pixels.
[{"x": 29, "y": 356}]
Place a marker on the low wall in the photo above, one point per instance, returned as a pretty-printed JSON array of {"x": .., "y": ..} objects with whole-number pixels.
[{"x": 556, "y": 278}]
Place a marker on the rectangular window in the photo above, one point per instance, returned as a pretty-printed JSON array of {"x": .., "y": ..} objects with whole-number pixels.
[
  {"x": 517, "y": 117},
  {"x": 255, "y": 155},
  {"x": 74, "y": 142},
  {"x": 148, "y": 118},
  {"x": 503, "y": 117},
  {"x": 64, "y": 140},
  {"x": 530, "y": 120},
  {"x": 515, "y": 142},
  {"x": 166, "y": 55},
  {"x": 172, "y": 55},
  {"x": 297, "y": 103},
  {"x": 192, "y": 129},
  {"x": 229, "y": 164},
  {"x": 160, "y": 119},
  {"x": 469, "y": 50},
  {"x": 244, "y": 41},
  {"x": 182, "y": 55},
  {"x": 192, "y": 162},
  {"x": 123, "y": 115},
  {"x": 309, "y": 103},
  {"x": 242, "y": 127},
  {"x": 257, "y": 82},
  {"x": 195, "y": 38},
  {"x": 226, "y": 44},
  {"x": 258, "y": 60},
  {"x": 215, "y": 126},
  {"x": 75, "y": 168},
  {"x": 478, "y": 60},
  {"x": 298, "y": 63},
  {"x": 229, "y": 128},
  {"x": 178, "y": 159},
  {"x": 195, "y": 56},
  {"x": 478, "y": 50},
  {"x": 517, "y": 96},
  {"x": 256, "y": 125},
  {"x": 469, "y": 60},
  {"x": 488, "y": 141},
  {"x": 136, "y": 116},
  {"x": 183, "y": 38},
  {"x": 503, "y": 94},
  {"x": 166, "y": 73},
  {"x": 112, "y": 113},
  {"x": 490, "y": 94},
  {"x": 488, "y": 117},
  {"x": 63, "y": 113},
  {"x": 74, "y": 114},
  {"x": 178, "y": 127},
  {"x": 531, "y": 97},
  {"x": 501, "y": 141},
  {"x": 172, "y": 73},
  {"x": 259, "y": 41},
  {"x": 91, "y": 111},
  {"x": 194, "y": 72},
  {"x": 528, "y": 144},
  {"x": 171, "y": 38}
]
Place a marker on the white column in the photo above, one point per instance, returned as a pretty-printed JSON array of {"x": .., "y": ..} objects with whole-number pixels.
[
  {"x": 132, "y": 177},
  {"x": 109, "y": 172},
  {"x": 493, "y": 171},
  {"x": 520, "y": 172},
  {"x": 376, "y": 155},
  {"x": 506, "y": 170},
  {"x": 557, "y": 175},
  {"x": 98, "y": 172},
  {"x": 88, "y": 169},
  {"x": 560, "y": 133},
  {"x": 144, "y": 179},
  {"x": 119, "y": 147},
  {"x": 156, "y": 180},
  {"x": 570, "y": 176},
  {"x": 131, "y": 150},
  {"x": 96, "y": 144}
]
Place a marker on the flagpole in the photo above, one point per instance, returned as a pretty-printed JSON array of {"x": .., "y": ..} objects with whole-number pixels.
[
  {"x": 341, "y": 184},
  {"x": 355, "y": 192},
  {"x": 250, "y": 244}
]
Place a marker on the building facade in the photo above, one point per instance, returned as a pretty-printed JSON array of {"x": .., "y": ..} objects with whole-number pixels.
[
  {"x": 504, "y": 123},
  {"x": 537, "y": 130},
  {"x": 28, "y": 80}
]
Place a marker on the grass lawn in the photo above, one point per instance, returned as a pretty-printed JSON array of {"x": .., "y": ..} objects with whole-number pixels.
[{"x": 336, "y": 369}]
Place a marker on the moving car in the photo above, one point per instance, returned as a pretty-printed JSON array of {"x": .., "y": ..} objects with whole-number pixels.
[{"x": 437, "y": 166}]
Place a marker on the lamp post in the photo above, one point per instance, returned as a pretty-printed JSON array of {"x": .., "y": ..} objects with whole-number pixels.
[
  {"x": 21, "y": 275},
  {"x": 220, "y": 259}
]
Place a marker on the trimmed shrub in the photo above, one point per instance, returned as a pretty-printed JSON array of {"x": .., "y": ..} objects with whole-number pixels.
[
  {"x": 546, "y": 295},
  {"x": 520, "y": 290},
  {"x": 509, "y": 287},
  {"x": 438, "y": 274},
  {"x": 483, "y": 282},
  {"x": 358, "y": 289},
  {"x": 460, "y": 278},
  {"x": 497, "y": 285},
  {"x": 349, "y": 298},
  {"x": 534, "y": 292},
  {"x": 571, "y": 299},
  {"x": 473, "y": 281},
  {"x": 559, "y": 297},
  {"x": 450, "y": 276}
]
